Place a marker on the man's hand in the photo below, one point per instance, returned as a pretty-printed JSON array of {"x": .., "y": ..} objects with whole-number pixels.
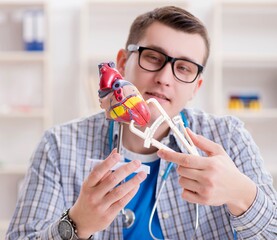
[
  {"x": 213, "y": 180},
  {"x": 101, "y": 197}
]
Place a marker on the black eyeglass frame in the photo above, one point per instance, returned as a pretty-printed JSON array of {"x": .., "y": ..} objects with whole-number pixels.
[{"x": 172, "y": 60}]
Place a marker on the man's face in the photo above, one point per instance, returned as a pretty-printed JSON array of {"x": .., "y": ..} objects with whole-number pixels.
[{"x": 172, "y": 94}]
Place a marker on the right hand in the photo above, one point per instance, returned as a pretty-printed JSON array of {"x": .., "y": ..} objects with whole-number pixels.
[{"x": 102, "y": 197}]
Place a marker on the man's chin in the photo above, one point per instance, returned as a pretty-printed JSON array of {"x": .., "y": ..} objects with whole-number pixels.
[{"x": 155, "y": 113}]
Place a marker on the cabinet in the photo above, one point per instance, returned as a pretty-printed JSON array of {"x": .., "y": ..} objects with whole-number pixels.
[
  {"x": 25, "y": 92},
  {"x": 246, "y": 65}
]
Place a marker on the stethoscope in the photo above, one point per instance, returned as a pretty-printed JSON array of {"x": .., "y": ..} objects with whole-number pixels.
[{"x": 128, "y": 216}]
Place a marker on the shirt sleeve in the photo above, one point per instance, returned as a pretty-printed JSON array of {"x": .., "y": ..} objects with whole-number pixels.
[
  {"x": 41, "y": 201},
  {"x": 260, "y": 220}
]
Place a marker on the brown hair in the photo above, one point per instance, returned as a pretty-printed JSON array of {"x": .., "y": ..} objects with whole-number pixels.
[{"x": 173, "y": 17}]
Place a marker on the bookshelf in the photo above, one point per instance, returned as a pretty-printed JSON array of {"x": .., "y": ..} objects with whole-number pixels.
[
  {"x": 25, "y": 96},
  {"x": 245, "y": 63}
]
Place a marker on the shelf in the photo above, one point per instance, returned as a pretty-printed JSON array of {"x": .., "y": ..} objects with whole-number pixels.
[
  {"x": 25, "y": 95},
  {"x": 253, "y": 114},
  {"x": 247, "y": 3},
  {"x": 252, "y": 58},
  {"x": 246, "y": 29},
  {"x": 21, "y": 56},
  {"x": 133, "y": 3},
  {"x": 22, "y": 113},
  {"x": 19, "y": 4},
  {"x": 245, "y": 64}
]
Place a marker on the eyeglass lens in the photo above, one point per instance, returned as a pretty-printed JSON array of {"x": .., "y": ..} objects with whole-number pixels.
[{"x": 152, "y": 60}]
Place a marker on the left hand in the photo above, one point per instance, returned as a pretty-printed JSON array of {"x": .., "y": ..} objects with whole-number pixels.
[{"x": 212, "y": 180}]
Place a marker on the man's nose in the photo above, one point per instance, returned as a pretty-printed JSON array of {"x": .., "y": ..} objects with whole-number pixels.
[{"x": 165, "y": 75}]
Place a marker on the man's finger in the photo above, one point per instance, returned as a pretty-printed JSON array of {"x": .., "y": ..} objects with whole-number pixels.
[
  {"x": 120, "y": 204},
  {"x": 113, "y": 179},
  {"x": 103, "y": 168},
  {"x": 120, "y": 191},
  {"x": 209, "y": 147},
  {"x": 185, "y": 160}
]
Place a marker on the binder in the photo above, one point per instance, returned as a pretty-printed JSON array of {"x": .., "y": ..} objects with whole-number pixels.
[{"x": 33, "y": 30}]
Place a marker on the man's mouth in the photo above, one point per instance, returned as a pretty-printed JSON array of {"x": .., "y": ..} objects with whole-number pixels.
[{"x": 157, "y": 95}]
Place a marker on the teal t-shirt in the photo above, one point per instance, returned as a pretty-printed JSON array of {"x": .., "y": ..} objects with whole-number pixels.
[{"x": 143, "y": 201}]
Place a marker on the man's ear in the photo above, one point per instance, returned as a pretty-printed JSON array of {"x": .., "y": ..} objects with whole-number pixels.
[
  {"x": 121, "y": 61},
  {"x": 198, "y": 85}
]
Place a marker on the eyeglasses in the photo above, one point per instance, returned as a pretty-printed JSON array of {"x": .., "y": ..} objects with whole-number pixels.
[{"x": 153, "y": 60}]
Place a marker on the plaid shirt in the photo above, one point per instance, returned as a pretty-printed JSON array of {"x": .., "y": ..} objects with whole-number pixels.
[{"x": 58, "y": 168}]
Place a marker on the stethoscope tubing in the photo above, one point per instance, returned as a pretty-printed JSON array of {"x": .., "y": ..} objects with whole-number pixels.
[{"x": 164, "y": 178}]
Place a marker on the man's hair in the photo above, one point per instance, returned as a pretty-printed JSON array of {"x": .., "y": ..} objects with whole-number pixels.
[{"x": 174, "y": 17}]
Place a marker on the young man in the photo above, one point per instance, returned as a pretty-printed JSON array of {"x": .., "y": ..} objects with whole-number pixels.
[{"x": 164, "y": 58}]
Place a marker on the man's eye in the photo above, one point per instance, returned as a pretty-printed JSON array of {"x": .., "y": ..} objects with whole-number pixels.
[
  {"x": 153, "y": 58},
  {"x": 183, "y": 68}
]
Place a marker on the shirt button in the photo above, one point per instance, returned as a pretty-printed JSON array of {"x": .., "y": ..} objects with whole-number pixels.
[
  {"x": 238, "y": 229},
  {"x": 161, "y": 173},
  {"x": 165, "y": 215}
]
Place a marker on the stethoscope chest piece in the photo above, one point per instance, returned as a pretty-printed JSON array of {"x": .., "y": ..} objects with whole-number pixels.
[{"x": 128, "y": 218}]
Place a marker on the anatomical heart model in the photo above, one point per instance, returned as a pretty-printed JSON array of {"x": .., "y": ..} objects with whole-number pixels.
[{"x": 120, "y": 98}]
